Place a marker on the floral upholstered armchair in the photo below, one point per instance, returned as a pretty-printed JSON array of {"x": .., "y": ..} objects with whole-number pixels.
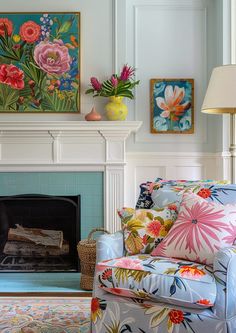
[{"x": 149, "y": 293}]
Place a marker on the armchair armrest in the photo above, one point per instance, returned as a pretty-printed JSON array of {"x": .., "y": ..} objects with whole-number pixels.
[
  {"x": 224, "y": 267},
  {"x": 110, "y": 246}
]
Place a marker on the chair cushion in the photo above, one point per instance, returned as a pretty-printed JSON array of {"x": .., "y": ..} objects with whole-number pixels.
[{"x": 159, "y": 279}]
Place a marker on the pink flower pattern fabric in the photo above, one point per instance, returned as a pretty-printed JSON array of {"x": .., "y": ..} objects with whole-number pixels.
[{"x": 201, "y": 229}]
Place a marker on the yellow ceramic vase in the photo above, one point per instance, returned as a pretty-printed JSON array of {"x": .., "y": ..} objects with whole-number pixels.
[{"x": 115, "y": 109}]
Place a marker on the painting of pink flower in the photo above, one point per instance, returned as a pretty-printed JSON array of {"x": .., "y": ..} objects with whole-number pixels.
[
  {"x": 129, "y": 263},
  {"x": 171, "y": 103},
  {"x": 40, "y": 61},
  {"x": 52, "y": 57}
]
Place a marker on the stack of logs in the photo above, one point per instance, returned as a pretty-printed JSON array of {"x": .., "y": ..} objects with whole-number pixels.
[{"x": 35, "y": 242}]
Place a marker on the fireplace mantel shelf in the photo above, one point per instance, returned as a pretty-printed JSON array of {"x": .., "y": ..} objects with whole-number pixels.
[
  {"x": 63, "y": 146},
  {"x": 130, "y": 126}
]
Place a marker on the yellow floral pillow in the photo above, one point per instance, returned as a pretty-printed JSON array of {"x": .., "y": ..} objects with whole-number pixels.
[{"x": 144, "y": 229}]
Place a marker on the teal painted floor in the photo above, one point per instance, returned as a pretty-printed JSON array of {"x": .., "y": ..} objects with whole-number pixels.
[{"x": 40, "y": 282}]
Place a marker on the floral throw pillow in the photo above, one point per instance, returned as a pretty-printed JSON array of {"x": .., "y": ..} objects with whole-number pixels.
[
  {"x": 201, "y": 229},
  {"x": 145, "y": 228}
]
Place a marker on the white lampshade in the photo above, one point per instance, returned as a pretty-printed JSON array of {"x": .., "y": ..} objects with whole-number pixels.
[{"x": 221, "y": 92}]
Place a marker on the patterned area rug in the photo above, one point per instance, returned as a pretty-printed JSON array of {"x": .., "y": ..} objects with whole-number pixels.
[{"x": 45, "y": 315}]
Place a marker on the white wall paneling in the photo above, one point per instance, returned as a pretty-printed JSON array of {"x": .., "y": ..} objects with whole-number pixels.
[
  {"x": 169, "y": 41},
  {"x": 148, "y": 166},
  {"x": 166, "y": 39}
]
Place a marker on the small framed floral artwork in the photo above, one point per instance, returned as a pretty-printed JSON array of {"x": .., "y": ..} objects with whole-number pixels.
[
  {"x": 39, "y": 62},
  {"x": 172, "y": 106}
]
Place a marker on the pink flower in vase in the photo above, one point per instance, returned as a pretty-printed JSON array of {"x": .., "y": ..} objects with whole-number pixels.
[
  {"x": 114, "y": 81},
  {"x": 126, "y": 73},
  {"x": 96, "y": 84}
]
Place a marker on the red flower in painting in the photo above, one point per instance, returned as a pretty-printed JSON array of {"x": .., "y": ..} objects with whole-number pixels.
[
  {"x": 30, "y": 31},
  {"x": 5, "y": 25},
  {"x": 176, "y": 316},
  {"x": 204, "y": 193},
  {"x": 12, "y": 76}
]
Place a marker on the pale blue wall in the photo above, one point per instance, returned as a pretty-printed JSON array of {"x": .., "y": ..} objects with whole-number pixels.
[{"x": 88, "y": 184}]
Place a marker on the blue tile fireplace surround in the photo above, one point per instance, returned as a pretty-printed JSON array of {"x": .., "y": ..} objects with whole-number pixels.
[
  {"x": 89, "y": 185},
  {"x": 60, "y": 158}
]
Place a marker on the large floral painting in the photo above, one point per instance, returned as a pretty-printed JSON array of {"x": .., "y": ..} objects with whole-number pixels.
[
  {"x": 172, "y": 106},
  {"x": 39, "y": 62}
]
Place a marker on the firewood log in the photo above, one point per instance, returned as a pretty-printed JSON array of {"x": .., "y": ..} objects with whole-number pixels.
[
  {"x": 52, "y": 238},
  {"x": 29, "y": 249}
]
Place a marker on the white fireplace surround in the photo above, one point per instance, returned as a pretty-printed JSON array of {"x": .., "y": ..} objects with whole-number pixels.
[{"x": 71, "y": 146}]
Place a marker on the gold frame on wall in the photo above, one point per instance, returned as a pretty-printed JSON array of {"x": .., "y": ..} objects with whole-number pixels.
[
  {"x": 154, "y": 108},
  {"x": 72, "y": 95}
]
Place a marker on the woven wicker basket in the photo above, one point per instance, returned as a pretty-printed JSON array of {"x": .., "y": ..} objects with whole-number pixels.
[{"x": 87, "y": 254}]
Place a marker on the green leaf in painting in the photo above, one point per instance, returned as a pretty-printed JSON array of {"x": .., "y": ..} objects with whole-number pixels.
[
  {"x": 8, "y": 97},
  {"x": 65, "y": 27},
  {"x": 55, "y": 103}
]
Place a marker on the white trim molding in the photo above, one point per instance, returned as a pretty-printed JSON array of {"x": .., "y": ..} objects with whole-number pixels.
[
  {"x": 71, "y": 146},
  {"x": 147, "y": 166}
]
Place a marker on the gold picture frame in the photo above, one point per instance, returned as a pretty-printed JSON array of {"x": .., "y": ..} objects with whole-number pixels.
[
  {"x": 43, "y": 51},
  {"x": 172, "y": 106}
]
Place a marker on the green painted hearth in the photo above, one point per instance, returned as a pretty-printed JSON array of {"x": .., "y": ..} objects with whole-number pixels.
[{"x": 88, "y": 184}]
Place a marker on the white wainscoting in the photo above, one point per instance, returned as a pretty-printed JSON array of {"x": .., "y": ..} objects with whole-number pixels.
[
  {"x": 142, "y": 167},
  {"x": 168, "y": 39}
]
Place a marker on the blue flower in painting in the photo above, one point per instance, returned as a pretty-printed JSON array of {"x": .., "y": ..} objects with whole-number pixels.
[
  {"x": 46, "y": 25},
  {"x": 73, "y": 67},
  {"x": 67, "y": 81},
  {"x": 66, "y": 84}
]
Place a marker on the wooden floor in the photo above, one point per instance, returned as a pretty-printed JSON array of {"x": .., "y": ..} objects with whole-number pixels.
[{"x": 41, "y": 284}]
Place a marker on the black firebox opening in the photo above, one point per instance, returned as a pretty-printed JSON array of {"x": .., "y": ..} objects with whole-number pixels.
[{"x": 39, "y": 233}]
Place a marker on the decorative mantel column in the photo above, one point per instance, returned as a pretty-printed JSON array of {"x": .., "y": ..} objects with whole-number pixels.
[{"x": 71, "y": 146}]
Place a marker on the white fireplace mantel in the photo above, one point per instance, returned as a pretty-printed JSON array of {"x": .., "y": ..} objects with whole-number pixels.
[{"x": 71, "y": 146}]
